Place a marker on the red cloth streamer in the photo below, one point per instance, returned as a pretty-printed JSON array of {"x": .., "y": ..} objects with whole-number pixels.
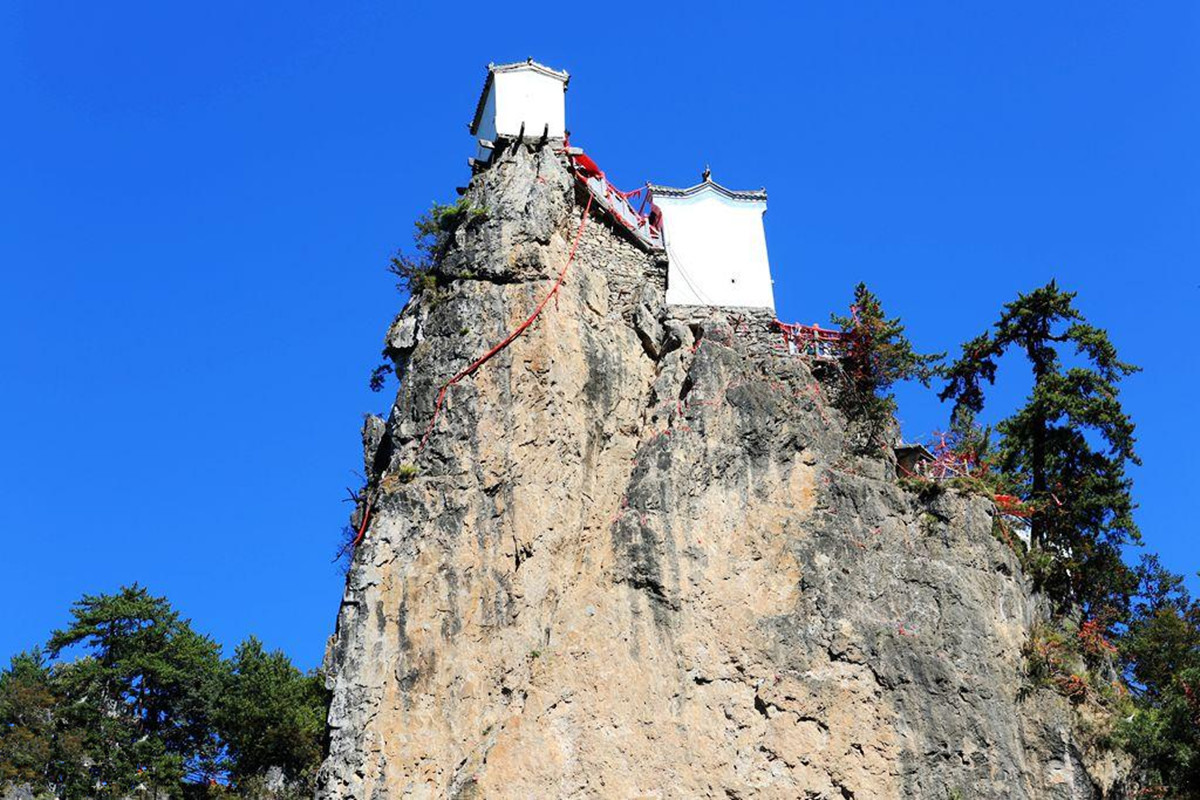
[
  {"x": 1007, "y": 504},
  {"x": 479, "y": 362},
  {"x": 585, "y": 165},
  {"x": 362, "y": 529}
]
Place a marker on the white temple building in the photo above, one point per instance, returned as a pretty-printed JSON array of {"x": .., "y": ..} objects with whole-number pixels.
[
  {"x": 714, "y": 240},
  {"x": 716, "y": 246},
  {"x": 520, "y": 99}
]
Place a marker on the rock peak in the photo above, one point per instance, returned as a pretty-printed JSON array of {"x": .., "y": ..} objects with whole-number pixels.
[{"x": 641, "y": 555}]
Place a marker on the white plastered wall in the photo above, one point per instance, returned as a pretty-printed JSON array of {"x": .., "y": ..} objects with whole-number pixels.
[
  {"x": 716, "y": 251},
  {"x": 529, "y": 97}
]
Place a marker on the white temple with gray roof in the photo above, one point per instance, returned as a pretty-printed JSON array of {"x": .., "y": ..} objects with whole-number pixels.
[
  {"x": 522, "y": 99},
  {"x": 713, "y": 236},
  {"x": 716, "y": 245}
]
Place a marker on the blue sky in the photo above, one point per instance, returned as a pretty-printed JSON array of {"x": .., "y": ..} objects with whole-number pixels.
[{"x": 198, "y": 202}]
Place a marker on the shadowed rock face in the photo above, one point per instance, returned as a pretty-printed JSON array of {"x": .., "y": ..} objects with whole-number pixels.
[{"x": 638, "y": 560}]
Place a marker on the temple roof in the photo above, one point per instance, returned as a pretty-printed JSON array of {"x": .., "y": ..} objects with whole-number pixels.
[
  {"x": 529, "y": 63},
  {"x": 709, "y": 185},
  {"x": 515, "y": 66},
  {"x": 918, "y": 450}
]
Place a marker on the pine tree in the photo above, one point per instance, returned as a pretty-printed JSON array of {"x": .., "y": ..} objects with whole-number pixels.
[
  {"x": 39, "y": 745},
  {"x": 272, "y": 715},
  {"x": 1067, "y": 448},
  {"x": 878, "y": 356},
  {"x": 148, "y": 708},
  {"x": 144, "y": 693},
  {"x": 1160, "y": 654}
]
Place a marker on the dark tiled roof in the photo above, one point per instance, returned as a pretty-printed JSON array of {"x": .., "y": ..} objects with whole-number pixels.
[
  {"x": 920, "y": 450},
  {"x": 492, "y": 69}
]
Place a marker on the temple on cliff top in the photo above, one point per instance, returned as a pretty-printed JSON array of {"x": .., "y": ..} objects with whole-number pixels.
[{"x": 712, "y": 236}]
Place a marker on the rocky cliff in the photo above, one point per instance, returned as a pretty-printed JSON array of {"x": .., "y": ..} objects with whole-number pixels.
[{"x": 636, "y": 557}]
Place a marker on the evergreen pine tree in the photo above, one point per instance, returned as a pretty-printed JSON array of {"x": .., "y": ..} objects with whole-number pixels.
[
  {"x": 1067, "y": 448},
  {"x": 877, "y": 356},
  {"x": 1160, "y": 653},
  {"x": 148, "y": 708},
  {"x": 40, "y": 747},
  {"x": 272, "y": 715},
  {"x": 143, "y": 694}
]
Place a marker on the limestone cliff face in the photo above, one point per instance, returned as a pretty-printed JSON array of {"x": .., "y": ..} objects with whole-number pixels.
[{"x": 638, "y": 560}]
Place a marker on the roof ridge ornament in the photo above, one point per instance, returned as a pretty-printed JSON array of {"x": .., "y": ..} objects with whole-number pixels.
[{"x": 706, "y": 176}]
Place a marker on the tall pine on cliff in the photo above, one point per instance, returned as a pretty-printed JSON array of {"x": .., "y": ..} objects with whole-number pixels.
[
  {"x": 878, "y": 356},
  {"x": 1067, "y": 448}
]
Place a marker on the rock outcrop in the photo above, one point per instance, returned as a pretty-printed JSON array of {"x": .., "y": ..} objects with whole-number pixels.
[{"x": 637, "y": 558}]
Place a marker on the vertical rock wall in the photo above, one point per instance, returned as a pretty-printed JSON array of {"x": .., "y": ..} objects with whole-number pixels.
[{"x": 636, "y": 559}]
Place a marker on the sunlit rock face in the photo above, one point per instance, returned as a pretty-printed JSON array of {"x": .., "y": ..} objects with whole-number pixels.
[{"x": 638, "y": 558}]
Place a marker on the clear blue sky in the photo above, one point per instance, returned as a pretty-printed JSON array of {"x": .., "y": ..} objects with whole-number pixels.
[{"x": 198, "y": 201}]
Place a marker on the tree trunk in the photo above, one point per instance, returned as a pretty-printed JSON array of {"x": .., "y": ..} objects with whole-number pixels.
[
  {"x": 1035, "y": 349},
  {"x": 1038, "y": 459}
]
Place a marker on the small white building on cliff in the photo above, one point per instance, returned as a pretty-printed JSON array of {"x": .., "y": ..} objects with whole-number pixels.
[
  {"x": 713, "y": 236},
  {"x": 716, "y": 245},
  {"x": 523, "y": 98}
]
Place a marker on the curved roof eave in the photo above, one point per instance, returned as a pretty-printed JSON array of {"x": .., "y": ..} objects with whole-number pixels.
[{"x": 756, "y": 195}]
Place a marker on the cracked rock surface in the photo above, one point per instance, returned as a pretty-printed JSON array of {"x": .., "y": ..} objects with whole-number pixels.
[{"x": 637, "y": 559}]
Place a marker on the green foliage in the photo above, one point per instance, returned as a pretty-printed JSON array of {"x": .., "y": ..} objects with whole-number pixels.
[
  {"x": 405, "y": 473},
  {"x": 26, "y": 719},
  {"x": 146, "y": 688},
  {"x": 379, "y": 376},
  {"x": 432, "y": 233},
  {"x": 973, "y": 443},
  {"x": 1156, "y": 709},
  {"x": 1051, "y": 660},
  {"x": 925, "y": 489},
  {"x": 1160, "y": 653},
  {"x": 1163, "y": 636},
  {"x": 1066, "y": 450},
  {"x": 972, "y": 485},
  {"x": 39, "y": 744},
  {"x": 879, "y": 355},
  {"x": 1078, "y": 661},
  {"x": 271, "y": 715},
  {"x": 147, "y": 705},
  {"x": 929, "y": 522},
  {"x": 415, "y": 269}
]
